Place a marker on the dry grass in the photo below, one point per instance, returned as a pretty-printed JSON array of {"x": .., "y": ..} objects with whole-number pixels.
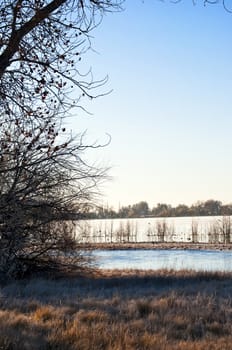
[
  {"x": 119, "y": 310},
  {"x": 160, "y": 245}
]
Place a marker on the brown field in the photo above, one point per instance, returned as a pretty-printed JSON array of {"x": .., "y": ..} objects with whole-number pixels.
[{"x": 118, "y": 310}]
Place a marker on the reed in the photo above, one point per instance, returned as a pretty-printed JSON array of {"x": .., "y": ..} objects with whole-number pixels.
[{"x": 118, "y": 310}]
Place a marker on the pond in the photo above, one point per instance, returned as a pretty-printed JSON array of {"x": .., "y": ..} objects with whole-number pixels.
[
  {"x": 199, "y": 260},
  {"x": 212, "y": 229}
]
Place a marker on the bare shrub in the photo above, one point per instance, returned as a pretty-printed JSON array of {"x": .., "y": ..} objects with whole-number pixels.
[{"x": 195, "y": 234}]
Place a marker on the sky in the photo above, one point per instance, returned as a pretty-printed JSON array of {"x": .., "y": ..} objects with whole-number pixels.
[{"x": 169, "y": 112}]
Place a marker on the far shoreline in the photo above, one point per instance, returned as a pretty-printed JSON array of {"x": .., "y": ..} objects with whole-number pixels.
[{"x": 158, "y": 246}]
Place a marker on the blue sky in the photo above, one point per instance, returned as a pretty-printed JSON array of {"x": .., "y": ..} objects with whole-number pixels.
[{"x": 169, "y": 114}]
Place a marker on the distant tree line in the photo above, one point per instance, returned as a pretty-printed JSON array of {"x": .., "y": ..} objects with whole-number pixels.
[{"x": 210, "y": 207}]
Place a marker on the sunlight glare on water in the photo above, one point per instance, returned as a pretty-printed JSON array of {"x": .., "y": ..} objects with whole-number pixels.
[{"x": 177, "y": 229}]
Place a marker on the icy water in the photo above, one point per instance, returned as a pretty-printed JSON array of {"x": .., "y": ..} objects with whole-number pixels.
[
  {"x": 203, "y": 260},
  {"x": 175, "y": 229}
]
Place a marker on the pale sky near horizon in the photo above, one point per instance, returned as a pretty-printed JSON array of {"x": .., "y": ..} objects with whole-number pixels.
[{"x": 169, "y": 115}]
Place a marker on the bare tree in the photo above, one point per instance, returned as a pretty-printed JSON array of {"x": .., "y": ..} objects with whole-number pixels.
[
  {"x": 41, "y": 43},
  {"x": 43, "y": 177}
]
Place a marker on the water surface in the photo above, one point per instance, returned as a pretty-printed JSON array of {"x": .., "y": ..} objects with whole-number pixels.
[
  {"x": 177, "y": 229},
  {"x": 203, "y": 260}
]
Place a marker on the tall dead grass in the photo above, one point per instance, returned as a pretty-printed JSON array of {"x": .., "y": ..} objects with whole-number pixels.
[{"x": 119, "y": 310}]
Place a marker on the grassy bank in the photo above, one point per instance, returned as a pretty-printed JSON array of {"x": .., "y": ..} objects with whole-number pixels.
[
  {"x": 124, "y": 310},
  {"x": 158, "y": 245}
]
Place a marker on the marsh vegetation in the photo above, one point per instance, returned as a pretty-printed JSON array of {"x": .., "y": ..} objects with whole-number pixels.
[{"x": 123, "y": 310}]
